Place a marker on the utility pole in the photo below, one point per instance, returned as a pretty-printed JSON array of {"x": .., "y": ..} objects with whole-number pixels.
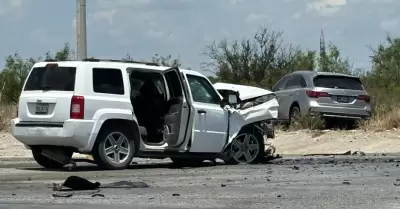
[
  {"x": 81, "y": 40},
  {"x": 322, "y": 52}
]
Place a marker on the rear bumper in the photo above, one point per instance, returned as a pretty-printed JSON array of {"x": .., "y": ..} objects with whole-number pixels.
[
  {"x": 344, "y": 113},
  {"x": 71, "y": 133}
]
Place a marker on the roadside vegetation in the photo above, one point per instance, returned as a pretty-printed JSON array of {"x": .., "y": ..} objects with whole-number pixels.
[{"x": 260, "y": 61}]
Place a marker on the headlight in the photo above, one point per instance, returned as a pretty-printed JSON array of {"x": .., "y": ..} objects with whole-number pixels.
[{"x": 265, "y": 98}]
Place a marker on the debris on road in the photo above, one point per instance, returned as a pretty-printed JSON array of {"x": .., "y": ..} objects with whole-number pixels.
[
  {"x": 65, "y": 195},
  {"x": 346, "y": 182},
  {"x": 176, "y": 195},
  {"x": 78, "y": 183},
  {"x": 98, "y": 195},
  {"x": 75, "y": 184}
]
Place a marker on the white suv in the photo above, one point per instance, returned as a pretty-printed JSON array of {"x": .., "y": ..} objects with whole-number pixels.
[{"x": 118, "y": 110}]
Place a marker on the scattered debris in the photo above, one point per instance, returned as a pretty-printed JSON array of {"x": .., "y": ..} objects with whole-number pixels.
[
  {"x": 125, "y": 184},
  {"x": 78, "y": 183},
  {"x": 346, "y": 182},
  {"x": 98, "y": 195},
  {"x": 358, "y": 153},
  {"x": 65, "y": 195}
]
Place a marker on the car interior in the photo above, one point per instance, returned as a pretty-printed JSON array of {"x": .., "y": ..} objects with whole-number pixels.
[{"x": 158, "y": 116}]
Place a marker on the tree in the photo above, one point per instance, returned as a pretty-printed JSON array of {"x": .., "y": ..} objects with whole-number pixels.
[
  {"x": 385, "y": 71},
  {"x": 260, "y": 61},
  {"x": 333, "y": 62}
]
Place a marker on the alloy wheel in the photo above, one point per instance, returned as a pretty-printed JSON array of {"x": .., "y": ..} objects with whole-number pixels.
[
  {"x": 117, "y": 147},
  {"x": 245, "y": 148}
]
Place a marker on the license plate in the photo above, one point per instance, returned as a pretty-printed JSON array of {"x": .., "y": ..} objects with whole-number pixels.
[
  {"x": 42, "y": 108},
  {"x": 343, "y": 99}
]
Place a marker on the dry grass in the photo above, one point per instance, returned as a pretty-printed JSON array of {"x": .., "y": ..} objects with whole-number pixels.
[
  {"x": 384, "y": 118},
  {"x": 7, "y": 112}
]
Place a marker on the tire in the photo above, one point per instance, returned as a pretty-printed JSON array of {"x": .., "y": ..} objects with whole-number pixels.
[
  {"x": 107, "y": 147},
  {"x": 47, "y": 162},
  {"x": 295, "y": 111},
  {"x": 254, "y": 147}
]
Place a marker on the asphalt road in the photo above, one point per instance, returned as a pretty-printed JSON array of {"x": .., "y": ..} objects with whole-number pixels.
[{"x": 311, "y": 182}]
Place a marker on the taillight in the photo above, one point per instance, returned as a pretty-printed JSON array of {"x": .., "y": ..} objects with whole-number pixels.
[
  {"x": 316, "y": 94},
  {"x": 366, "y": 98},
  {"x": 77, "y": 107}
]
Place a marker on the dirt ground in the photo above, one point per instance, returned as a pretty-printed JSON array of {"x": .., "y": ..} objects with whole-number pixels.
[{"x": 293, "y": 143}]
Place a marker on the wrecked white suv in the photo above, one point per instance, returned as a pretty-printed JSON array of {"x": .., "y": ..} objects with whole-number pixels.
[{"x": 115, "y": 111}]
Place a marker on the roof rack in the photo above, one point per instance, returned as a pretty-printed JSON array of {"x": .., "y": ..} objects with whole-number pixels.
[
  {"x": 122, "y": 61},
  {"x": 50, "y": 60}
]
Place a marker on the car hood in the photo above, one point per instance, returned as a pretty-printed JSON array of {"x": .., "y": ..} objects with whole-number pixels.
[{"x": 245, "y": 92}]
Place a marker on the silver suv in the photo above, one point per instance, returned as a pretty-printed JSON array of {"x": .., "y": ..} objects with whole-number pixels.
[{"x": 332, "y": 95}]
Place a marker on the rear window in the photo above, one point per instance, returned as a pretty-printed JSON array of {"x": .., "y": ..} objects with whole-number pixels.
[
  {"x": 51, "y": 79},
  {"x": 338, "y": 82}
]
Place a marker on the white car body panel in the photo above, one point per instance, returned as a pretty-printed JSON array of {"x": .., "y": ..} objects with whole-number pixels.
[{"x": 241, "y": 117}]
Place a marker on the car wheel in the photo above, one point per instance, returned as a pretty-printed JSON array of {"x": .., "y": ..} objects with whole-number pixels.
[
  {"x": 47, "y": 162},
  {"x": 115, "y": 148},
  {"x": 247, "y": 147},
  {"x": 294, "y": 114},
  {"x": 184, "y": 162}
]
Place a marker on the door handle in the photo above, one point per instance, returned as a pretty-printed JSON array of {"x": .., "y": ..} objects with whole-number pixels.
[{"x": 201, "y": 111}]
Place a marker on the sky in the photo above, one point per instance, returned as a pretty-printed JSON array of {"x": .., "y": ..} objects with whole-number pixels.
[{"x": 184, "y": 27}]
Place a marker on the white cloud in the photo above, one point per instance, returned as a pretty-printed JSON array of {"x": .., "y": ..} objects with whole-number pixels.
[
  {"x": 325, "y": 7},
  {"x": 391, "y": 24},
  {"x": 8, "y": 7}
]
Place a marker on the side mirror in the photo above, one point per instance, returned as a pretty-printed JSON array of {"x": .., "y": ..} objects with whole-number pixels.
[{"x": 233, "y": 99}]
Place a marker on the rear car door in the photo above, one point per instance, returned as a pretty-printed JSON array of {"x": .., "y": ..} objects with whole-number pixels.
[
  {"x": 179, "y": 117},
  {"x": 211, "y": 120},
  {"x": 47, "y": 93}
]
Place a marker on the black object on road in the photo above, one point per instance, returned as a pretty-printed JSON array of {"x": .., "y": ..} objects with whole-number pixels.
[{"x": 78, "y": 183}]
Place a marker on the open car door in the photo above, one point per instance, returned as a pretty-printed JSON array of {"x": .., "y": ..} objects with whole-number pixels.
[{"x": 178, "y": 119}]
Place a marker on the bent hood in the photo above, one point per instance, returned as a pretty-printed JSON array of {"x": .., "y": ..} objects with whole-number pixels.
[
  {"x": 259, "y": 112},
  {"x": 239, "y": 118},
  {"x": 245, "y": 92}
]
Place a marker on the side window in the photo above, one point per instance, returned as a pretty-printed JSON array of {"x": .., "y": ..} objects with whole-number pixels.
[
  {"x": 202, "y": 90},
  {"x": 174, "y": 84},
  {"x": 108, "y": 81},
  {"x": 296, "y": 82},
  {"x": 281, "y": 84}
]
